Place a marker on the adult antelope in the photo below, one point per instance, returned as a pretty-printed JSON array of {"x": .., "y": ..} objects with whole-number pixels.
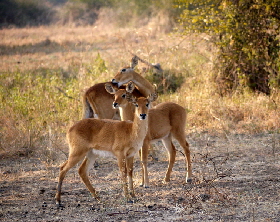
[
  {"x": 165, "y": 120},
  {"x": 128, "y": 74},
  {"x": 90, "y": 138},
  {"x": 97, "y": 102}
]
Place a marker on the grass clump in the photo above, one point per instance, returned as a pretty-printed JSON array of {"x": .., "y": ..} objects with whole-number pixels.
[
  {"x": 34, "y": 103},
  {"x": 37, "y": 106}
]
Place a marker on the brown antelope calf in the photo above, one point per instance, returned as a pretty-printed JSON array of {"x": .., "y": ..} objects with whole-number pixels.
[
  {"x": 90, "y": 138},
  {"x": 165, "y": 120}
]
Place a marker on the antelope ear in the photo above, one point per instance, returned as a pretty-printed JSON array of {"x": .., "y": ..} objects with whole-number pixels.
[
  {"x": 110, "y": 88},
  {"x": 152, "y": 97},
  {"x": 155, "y": 88},
  {"x": 134, "y": 62},
  {"x": 157, "y": 66},
  {"x": 130, "y": 87}
]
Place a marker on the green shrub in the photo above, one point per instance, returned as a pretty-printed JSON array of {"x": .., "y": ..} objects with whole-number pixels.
[{"x": 247, "y": 35}]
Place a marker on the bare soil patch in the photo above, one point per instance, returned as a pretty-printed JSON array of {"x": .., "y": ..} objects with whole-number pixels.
[{"x": 236, "y": 178}]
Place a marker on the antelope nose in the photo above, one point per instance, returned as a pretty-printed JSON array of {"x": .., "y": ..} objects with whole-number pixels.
[
  {"x": 143, "y": 116},
  {"x": 115, "y": 105},
  {"x": 113, "y": 81}
]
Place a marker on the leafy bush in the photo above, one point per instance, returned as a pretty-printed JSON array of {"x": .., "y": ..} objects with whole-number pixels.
[
  {"x": 247, "y": 34},
  {"x": 83, "y": 12}
]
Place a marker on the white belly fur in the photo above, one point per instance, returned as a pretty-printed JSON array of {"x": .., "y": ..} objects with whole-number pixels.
[{"x": 102, "y": 153}]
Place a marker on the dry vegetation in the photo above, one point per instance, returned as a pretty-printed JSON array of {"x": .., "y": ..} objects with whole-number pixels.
[{"x": 234, "y": 140}]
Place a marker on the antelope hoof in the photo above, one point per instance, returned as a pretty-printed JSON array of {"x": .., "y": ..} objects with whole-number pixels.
[
  {"x": 155, "y": 158},
  {"x": 97, "y": 198},
  {"x": 59, "y": 205},
  {"x": 129, "y": 200},
  {"x": 166, "y": 180},
  {"x": 189, "y": 180}
]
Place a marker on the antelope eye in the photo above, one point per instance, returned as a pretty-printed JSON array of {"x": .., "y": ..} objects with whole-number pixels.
[
  {"x": 123, "y": 96},
  {"x": 147, "y": 104},
  {"x": 136, "y": 104},
  {"x": 123, "y": 70}
]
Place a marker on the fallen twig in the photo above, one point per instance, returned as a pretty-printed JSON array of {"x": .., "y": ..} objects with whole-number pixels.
[{"x": 64, "y": 93}]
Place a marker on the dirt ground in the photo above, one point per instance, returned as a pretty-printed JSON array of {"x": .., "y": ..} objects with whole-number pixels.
[{"x": 236, "y": 178}]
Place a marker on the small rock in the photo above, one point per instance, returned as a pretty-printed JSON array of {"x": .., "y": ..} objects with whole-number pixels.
[
  {"x": 41, "y": 191},
  {"x": 204, "y": 197}
]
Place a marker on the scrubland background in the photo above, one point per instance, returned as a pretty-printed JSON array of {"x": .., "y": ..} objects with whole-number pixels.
[{"x": 46, "y": 67}]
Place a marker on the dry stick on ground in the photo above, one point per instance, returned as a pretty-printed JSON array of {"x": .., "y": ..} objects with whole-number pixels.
[
  {"x": 210, "y": 183},
  {"x": 134, "y": 211},
  {"x": 208, "y": 159}
]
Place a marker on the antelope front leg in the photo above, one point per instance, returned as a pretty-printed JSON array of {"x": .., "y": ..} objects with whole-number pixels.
[
  {"x": 144, "y": 161},
  {"x": 83, "y": 172},
  {"x": 129, "y": 166},
  {"x": 123, "y": 171}
]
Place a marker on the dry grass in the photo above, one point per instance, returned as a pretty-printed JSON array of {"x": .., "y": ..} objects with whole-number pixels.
[{"x": 72, "y": 51}]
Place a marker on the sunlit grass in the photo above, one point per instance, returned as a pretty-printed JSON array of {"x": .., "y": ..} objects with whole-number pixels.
[{"x": 45, "y": 70}]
